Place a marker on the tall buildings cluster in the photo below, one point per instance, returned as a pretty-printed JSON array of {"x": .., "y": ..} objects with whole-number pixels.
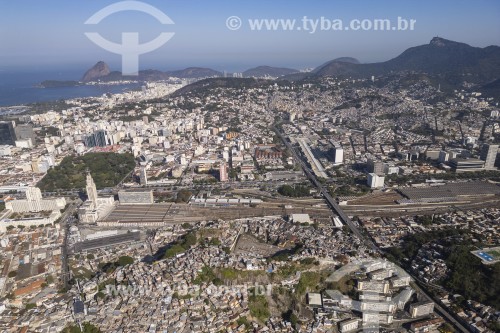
[{"x": 13, "y": 135}]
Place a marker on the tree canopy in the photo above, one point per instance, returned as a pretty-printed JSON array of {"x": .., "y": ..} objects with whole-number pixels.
[
  {"x": 107, "y": 170},
  {"x": 294, "y": 191}
]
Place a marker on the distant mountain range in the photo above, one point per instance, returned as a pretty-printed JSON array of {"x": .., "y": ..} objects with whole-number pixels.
[
  {"x": 439, "y": 57},
  {"x": 263, "y": 71},
  {"x": 491, "y": 89},
  {"x": 448, "y": 61},
  {"x": 101, "y": 72},
  {"x": 347, "y": 60}
]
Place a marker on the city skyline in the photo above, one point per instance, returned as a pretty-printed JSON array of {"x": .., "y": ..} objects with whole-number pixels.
[{"x": 264, "y": 166}]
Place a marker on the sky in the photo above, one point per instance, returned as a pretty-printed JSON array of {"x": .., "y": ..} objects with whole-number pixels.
[{"x": 50, "y": 34}]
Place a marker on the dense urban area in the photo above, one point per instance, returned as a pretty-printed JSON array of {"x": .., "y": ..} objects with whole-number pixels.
[{"x": 257, "y": 204}]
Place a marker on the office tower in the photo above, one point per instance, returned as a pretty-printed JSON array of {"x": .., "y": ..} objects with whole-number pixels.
[
  {"x": 223, "y": 175},
  {"x": 375, "y": 181},
  {"x": 96, "y": 139},
  {"x": 100, "y": 138},
  {"x": 91, "y": 190},
  {"x": 7, "y": 133},
  {"x": 489, "y": 155},
  {"x": 89, "y": 141},
  {"x": 339, "y": 155},
  {"x": 376, "y": 167},
  {"x": 25, "y": 131}
]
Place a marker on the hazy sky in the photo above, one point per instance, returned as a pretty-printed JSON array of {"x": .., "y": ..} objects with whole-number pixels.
[{"x": 49, "y": 34}]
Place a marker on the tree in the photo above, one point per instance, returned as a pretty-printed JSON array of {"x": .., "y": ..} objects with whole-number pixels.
[
  {"x": 87, "y": 328},
  {"x": 426, "y": 220},
  {"x": 215, "y": 241},
  {"x": 12, "y": 274},
  {"x": 244, "y": 321},
  {"x": 174, "y": 250},
  {"x": 446, "y": 328},
  {"x": 183, "y": 196},
  {"x": 259, "y": 307},
  {"x": 49, "y": 279},
  {"x": 189, "y": 240},
  {"x": 107, "y": 169},
  {"x": 125, "y": 260},
  {"x": 294, "y": 191},
  {"x": 30, "y": 306}
]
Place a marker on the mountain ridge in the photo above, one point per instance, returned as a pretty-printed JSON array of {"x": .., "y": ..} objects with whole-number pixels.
[
  {"x": 439, "y": 56},
  {"x": 451, "y": 60},
  {"x": 100, "y": 69},
  {"x": 263, "y": 71}
]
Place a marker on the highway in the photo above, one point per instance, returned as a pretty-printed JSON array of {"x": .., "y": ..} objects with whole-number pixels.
[
  {"x": 331, "y": 202},
  {"x": 66, "y": 220},
  {"x": 345, "y": 219}
]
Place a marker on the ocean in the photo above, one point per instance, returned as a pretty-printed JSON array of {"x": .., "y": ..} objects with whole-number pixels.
[{"x": 19, "y": 88}]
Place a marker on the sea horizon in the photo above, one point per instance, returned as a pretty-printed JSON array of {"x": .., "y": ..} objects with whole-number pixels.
[{"x": 19, "y": 87}]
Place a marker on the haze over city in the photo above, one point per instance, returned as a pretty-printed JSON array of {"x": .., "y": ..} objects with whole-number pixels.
[{"x": 35, "y": 35}]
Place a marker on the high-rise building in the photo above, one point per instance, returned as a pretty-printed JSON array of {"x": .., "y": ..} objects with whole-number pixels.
[
  {"x": 375, "y": 181},
  {"x": 143, "y": 176},
  {"x": 24, "y": 132},
  {"x": 223, "y": 175},
  {"x": 7, "y": 133},
  {"x": 89, "y": 141},
  {"x": 101, "y": 138},
  {"x": 339, "y": 155},
  {"x": 91, "y": 190},
  {"x": 376, "y": 167},
  {"x": 96, "y": 139},
  {"x": 489, "y": 155}
]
